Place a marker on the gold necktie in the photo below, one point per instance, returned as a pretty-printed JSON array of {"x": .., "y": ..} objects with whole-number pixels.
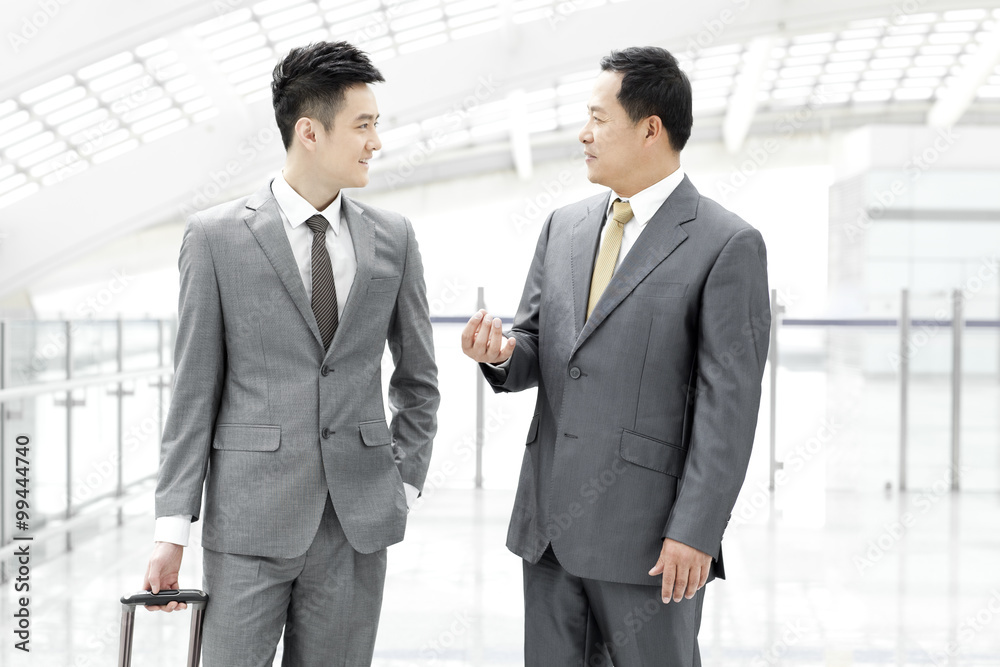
[{"x": 608, "y": 256}]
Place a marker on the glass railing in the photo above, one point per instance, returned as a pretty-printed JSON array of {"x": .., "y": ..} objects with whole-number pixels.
[
  {"x": 82, "y": 405},
  {"x": 892, "y": 399}
]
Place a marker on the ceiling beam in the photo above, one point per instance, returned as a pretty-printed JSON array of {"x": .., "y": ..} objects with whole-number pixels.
[
  {"x": 743, "y": 102},
  {"x": 960, "y": 94},
  {"x": 520, "y": 141}
]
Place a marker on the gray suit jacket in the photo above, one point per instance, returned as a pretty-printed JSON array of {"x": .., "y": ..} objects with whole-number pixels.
[
  {"x": 646, "y": 412},
  {"x": 268, "y": 421}
]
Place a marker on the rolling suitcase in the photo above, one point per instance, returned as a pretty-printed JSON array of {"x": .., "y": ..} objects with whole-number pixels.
[{"x": 194, "y": 598}]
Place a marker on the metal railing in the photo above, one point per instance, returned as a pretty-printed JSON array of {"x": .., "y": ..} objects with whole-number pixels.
[
  {"x": 904, "y": 323},
  {"x": 74, "y": 514},
  {"x": 160, "y": 375}
]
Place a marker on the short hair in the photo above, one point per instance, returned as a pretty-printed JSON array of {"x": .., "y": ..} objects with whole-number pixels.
[
  {"x": 312, "y": 81},
  {"x": 653, "y": 84}
]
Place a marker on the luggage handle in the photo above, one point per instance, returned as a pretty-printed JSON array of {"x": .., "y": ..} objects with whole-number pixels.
[
  {"x": 147, "y": 598},
  {"x": 197, "y": 599}
]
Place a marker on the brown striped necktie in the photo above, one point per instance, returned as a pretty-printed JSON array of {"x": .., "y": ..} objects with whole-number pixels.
[
  {"x": 604, "y": 268},
  {"x": 324, "y": 292}
]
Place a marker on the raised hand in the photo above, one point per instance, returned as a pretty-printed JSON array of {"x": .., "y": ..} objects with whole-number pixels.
[{"x": 483, "y": 340}]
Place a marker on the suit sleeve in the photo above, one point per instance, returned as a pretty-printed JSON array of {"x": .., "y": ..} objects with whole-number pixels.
[
  {"x": 413, "y": 390},
  {"x": 735, "y": 321},
  {"x": 523, "y": 370},
  {"x": 199, "y": 373}
]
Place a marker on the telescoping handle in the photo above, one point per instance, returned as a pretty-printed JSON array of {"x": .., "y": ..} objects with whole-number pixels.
[{"x": 195, "y": 598}]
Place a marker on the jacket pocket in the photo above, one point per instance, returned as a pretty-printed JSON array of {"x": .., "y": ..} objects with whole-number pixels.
[
  {"x": 390, "y": 284},
  {"x": 660, "y": 290},
  {"x": 375, "y": 433},
  {"x": 247, "y": 437},
  {"x": 650, "y": 453},
  {"x": 533, "y": 430}
]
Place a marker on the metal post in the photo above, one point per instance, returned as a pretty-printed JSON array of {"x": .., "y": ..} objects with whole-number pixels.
[
  {"x": 772, "y": 357},
  {"x": 480, "y": 405},
  {"x": 121, "y": 420},
  {"x": 125, "y": 635},
  {"x": 956, "y": 386},
  {"x": 69, "y": 433},
  {"x": 4, "y": 367},
  {"x": 904, "y": 382},
  {"x": 159, "y": 380},
  {"x": 195, "y": 638}
]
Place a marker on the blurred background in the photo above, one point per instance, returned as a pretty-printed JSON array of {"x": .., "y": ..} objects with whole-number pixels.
[{"x": 860, "y": 137}]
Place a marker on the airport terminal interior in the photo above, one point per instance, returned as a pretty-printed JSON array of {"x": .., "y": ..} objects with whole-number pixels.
[{"x": 860, "y": 137}]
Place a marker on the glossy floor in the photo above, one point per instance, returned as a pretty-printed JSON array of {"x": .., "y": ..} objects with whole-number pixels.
[
  {"x": 835, "y": 568},
  {"x": 876, "y": 580}
]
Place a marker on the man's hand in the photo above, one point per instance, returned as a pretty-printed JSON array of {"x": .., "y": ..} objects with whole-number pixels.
[
  {"x": 483, "y": 340},
  {"x": 684, "y": 570},
  {"x": 164, "y": 566}
]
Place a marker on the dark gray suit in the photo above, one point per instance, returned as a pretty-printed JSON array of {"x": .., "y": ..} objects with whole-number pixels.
[
  {"x": 646, "y": 411},
  {"x": 291, "y": 440}
]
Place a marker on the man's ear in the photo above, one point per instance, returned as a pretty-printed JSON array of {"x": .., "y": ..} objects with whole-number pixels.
[
  {"x": 305, "y": 133},
  {"x": 654, "y": 130}
]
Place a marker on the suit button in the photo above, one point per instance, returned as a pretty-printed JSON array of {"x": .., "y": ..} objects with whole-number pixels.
[
  {"x": 326, "y": 433},
  {"x": 325, "y": 370},
  {"x": 574, "y": 372}
]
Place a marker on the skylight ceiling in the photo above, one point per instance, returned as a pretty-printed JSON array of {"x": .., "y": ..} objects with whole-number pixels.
[
  {"x": 111, "y": 107},
  {"x": 95, "y": 114},
  {"x": 247, "y": 42},
  {"x": 866, "y": 66}
]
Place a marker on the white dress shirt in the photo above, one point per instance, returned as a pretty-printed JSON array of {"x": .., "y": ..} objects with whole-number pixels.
[
  {"x": 644, "y": 205},
  {"x": 295, "y": 210}
]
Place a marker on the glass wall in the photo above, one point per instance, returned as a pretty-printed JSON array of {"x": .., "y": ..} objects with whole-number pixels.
[{"x": 91, "y": 397}]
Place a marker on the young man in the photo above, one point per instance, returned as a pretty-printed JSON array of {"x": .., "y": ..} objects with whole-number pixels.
[
  {"x": 644, "y": 323},
  {"x": 287, "y": 299}
]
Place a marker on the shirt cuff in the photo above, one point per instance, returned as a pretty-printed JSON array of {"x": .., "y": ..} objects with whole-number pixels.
[
  {"x": 411, "y": 494},
  {"x": 503, "y": 365},
  {"x": 175, "y": 529}
]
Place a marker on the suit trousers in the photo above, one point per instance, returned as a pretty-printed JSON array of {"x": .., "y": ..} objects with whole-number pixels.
[
  {"x": 570, "y": 621},
  {"x": 327, "y": 600}
]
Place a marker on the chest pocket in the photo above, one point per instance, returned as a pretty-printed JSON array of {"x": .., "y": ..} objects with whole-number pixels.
[
  {"x": 381, "y": 285},
  {"x": 660, "y": 290}
]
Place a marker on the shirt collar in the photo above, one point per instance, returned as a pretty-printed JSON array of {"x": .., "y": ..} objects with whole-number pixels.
[
  {"x": 297, "y": 210},
  {"x": 647, "y": 202}
]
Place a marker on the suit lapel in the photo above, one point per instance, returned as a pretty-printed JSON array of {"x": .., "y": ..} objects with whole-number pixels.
[
  {"x": 583, "y": 253},
  {"x": 362, "y": 231},
  {"x": 661, "y": 236},
  {"x": 264, "y": 221}
]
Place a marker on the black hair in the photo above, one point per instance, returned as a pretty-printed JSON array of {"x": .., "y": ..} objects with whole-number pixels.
[
  {"x": 312, "y": 81},
  {"x": 653, "y": 84}
]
